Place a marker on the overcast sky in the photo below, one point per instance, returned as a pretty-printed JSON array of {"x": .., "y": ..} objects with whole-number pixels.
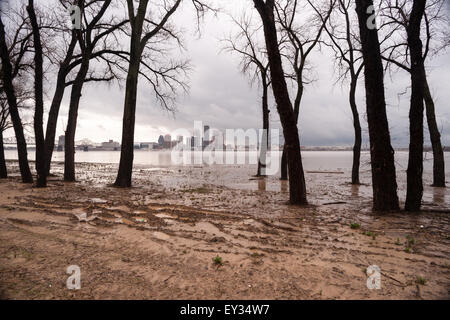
[{"x": 222, "y": 97}]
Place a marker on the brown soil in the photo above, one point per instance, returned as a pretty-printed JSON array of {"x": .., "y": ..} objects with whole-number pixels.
[{"x": 158, "y": 240}]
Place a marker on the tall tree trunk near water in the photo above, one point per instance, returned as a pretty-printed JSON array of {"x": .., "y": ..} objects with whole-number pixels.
[
  {"x": 297, "y": 102},
  {"x": 297, "y": 187},
  {"x": 414, "y": 190},
  {"x": 384, "y": 182},
  {"x": 357, "y": 130},
  {"x": 127, "y": 149},
  {"x": 69, "y": 138},
  {"x": 13, "y": 108},
  {"x": 300, "y": 42},
  {"x": 39, "y": 99},
  {"x": 53, "y": 113},
  {"x": 435, "y": 35},
  {"x": 284, "y": 167},
  {"x": 3, "y": 170},
  {"x": 52, "y": 122},
  {"x": 94, "y": 32},
  {"x": 138, "y": 42},
  {"x": 129, "y": 110},
  {"x": 265, "y": 136},
  {"x": 347, "y": 54},
  {"x": 435, "y": 138}
]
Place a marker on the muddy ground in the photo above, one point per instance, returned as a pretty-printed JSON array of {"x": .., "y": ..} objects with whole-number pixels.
[{"x": 158, "y": 239}]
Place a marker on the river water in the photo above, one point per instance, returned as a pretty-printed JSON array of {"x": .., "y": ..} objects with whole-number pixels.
[
  {"x": 312, "y": 160},
  {"x": 327, "y": 172}
]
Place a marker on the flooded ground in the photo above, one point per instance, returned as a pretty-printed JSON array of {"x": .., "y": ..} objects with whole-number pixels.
[{"x": 158, "y": 239}]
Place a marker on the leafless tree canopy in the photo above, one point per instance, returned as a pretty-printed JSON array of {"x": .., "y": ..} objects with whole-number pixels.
[{"x": 394, "y": 16}]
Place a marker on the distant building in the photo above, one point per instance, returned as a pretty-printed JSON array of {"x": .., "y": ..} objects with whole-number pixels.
[
  {"x": 149, "y": 145},
  {"x": 161, "y": 140},
  {"x": 188, "y": 142},
  {"x": 61, "y": 140},
  {"x": 110, "y": 146},
  {"x": 206, "y": 137},
  {"x": 206, "y": 133},
  {"x": 193, "y": 142},
  {"x": 167, "y": 141}
]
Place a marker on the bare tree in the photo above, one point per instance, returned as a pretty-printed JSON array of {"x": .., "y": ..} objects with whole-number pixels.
[
  {"x": 5, "y": 124},
  {"x": 415, "y": 161},
  {"x": 253, "y": 64},
  {"x": 38, "y": 97},
  {"x": 72, "y": 61},
  {"x": 302, "y": 39},
  {"x": 149, "y": 29},
  {"x": 297, "y": 186},
  {"x": 347, "y": 54},
  {"x": 93, "y": 42},
  {"x": 12, "y": 62},
  {"x": 23, "y": 95},
  {"x": 384, "y": 182},
  {"x": 65, "y": 65},
  {"x": 396, "y": 52}
]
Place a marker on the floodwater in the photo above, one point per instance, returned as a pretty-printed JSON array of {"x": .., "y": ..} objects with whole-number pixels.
[
  {"x": 327, "y": 173},
  {"x": 312, "y": 160}
]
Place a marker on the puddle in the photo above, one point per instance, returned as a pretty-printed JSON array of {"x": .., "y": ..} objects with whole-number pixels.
[{"x": 98, "y": 200}]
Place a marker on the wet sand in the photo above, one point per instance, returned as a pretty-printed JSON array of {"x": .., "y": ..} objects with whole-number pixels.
[{"x": 158, "y": 239}]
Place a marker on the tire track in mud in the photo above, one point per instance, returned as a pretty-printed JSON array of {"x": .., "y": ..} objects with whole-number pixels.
[{"x": 304, "y": 253}]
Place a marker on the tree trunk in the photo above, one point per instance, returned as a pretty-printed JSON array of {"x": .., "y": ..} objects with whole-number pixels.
[
  {"x": 125, "y": 172},
  {"x": 13, "y": 108},
  {"x": 435, "y": 137},
  {"x": 3, "y": 170},
  {"x": 69, "y": 138},
  {"x": 357, "y": 129},
  {"x": 384, "y": 182},
  {"x": 52, "y": 121},
  {"x": 137, "y": 45},
  {"x": 284, "y": 167},
  {"x": 297, "y": 102},
  {"x": 39, "y": 99},
  {"x": 414, "y": 190},
  {"x": 265, "y": 136},
  {"x": 297, "y": 188},
  {"x": 127, "y": 149}
]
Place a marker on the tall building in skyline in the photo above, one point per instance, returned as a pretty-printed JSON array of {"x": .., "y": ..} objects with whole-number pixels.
[
  {"x": 206, "y": 133},
  {"x": 161, "y": 140},
  {"x": 61, "y": 143},
  {"x": 167, "y": 141}
]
